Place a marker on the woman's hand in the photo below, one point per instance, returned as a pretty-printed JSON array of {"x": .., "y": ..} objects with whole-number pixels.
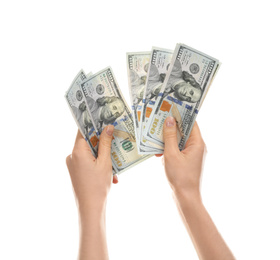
[
  {"x": 91, "y": 177},
  {"x": 183, "y": 169}
]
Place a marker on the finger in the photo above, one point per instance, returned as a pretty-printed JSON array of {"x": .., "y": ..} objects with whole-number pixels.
[
  {"x": 115, "y": 179},
  {"x": 195, "y": 138},
  {"x": 80, "y": 140},
  {"x": 170, "y": 136},
  {"x": 195, "y": 135},
  {"x": 104, "y": 148},
  {"x": 81, "y": 146},
  {"x": 158, "y": 155}
]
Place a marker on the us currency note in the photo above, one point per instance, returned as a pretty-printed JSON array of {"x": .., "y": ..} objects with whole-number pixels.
[
  {"x": 158, "y": 67},
  {"x": 77, "y": 105},
  {"x": 107, "y": 106},
  {"x": 182, "y": 93},
  {"x": 137, "y": 67}
]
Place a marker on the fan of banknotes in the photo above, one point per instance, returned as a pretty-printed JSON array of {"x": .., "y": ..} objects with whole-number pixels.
[{"x": 161, "y": 83}]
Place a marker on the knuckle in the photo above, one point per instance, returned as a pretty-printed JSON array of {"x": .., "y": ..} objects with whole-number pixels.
[
  {"x": 169, "y": 134},
  {"x": 106, "y": 145},
  {"x": 68, "y": 160},
  {"x": 201, "y": 145},
  {"x": 205, "y": 148},
  {"x": 106, "y": 142},
  {"x": 76, "y": 155}
]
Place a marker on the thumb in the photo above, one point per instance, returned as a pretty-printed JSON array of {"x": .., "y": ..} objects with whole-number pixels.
[
  {"x": 170, "y": 136},
  {"x": 104, "y": 147}
]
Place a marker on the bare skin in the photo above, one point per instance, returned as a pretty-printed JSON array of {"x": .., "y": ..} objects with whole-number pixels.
[
  {"x": 91, "y": 179},
  {"x": 183, "y": 170}
]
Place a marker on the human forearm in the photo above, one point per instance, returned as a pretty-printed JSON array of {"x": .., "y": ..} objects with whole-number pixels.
[
  {"x": 183, "y": 170},
  {"x": 93, "y": 232},
  {"x": 208, "y": 242},
  {"x": 91, "y": 179}
]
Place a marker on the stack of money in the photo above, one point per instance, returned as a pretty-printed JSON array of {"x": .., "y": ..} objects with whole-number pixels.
[
  {"x": 167, "y": 83},
  {"x": 161, "y": 83}
]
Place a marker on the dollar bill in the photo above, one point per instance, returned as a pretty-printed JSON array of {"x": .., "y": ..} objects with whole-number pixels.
[
  {"x": 137, "y": 67},
  {"x": 77, "y": 105},
  {"x": 186, "y": 84},
  {"x": 158, "y": 67},
  {"x": 107, "y": 106}
]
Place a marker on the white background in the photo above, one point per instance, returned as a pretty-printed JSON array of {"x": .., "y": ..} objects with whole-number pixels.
[{"x": 43, "y": 46}]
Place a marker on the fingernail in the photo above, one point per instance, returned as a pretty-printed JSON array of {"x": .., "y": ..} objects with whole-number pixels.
[
  {"x": 115, "y": 179},
  {"x": 170, "y": 121},
  {"x": 110, "y": 130}
]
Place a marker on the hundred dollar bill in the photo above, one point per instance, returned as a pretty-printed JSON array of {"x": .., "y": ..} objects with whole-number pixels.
[
  {"x": 137, "y": 67},
  {"x": 107, "y": 106},
  {"x": 159, "y": 64},
  {"x": 77, "y": 105},
  {"x": 186, "y": 84}
]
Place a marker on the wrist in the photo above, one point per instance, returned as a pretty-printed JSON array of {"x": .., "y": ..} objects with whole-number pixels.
[
  {"x": 91, "y": 211},
  {"x": 188, "y": 199},
  {"x": 187, "y": 188}
]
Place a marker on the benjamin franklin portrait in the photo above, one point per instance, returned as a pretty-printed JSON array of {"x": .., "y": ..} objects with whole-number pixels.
[
  {"x": 105, "y": 110},
  {"x": 183, "y": 85}
]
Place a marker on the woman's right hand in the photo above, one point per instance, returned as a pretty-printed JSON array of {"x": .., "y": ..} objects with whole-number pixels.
[{"x": 183, "y": 169}]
